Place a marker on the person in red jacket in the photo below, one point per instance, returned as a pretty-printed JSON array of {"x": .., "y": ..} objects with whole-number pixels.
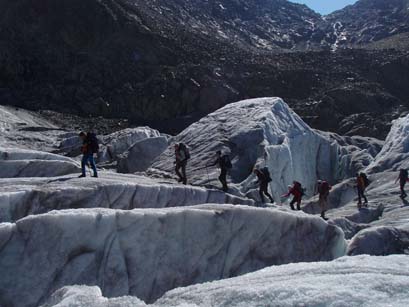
[
  {"x": 362, "y": 183},
  {"x": 297, "y": 191}
]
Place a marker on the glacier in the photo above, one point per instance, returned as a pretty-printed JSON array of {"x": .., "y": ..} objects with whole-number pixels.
[
  {"x": 27, "y": 130},
  {"x": 135, "y": 237},
  {"x": 146, "y": 252},
  {"x": 360, "y": 281},
  {"x": 395, "y": 152},
  {"x": 350, "y": 281},
  {"x": 16, "y": 162},
  {"x": 263, "y": 132},
  {"x": 20, "y": 197},
  {"x": 140, "y": 155}
]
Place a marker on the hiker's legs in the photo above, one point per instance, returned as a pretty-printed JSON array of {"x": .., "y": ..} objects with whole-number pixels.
[
  {"x": 92, "y": 163},
  {"x": 260, "y": 191},
  {"x": 223, "y": 179},
  {"x": 83, "y": 165},
  {"x": 402, "y": 188},
  {"x": 265, "y": 191},
  {"x": 359, "y": 196},
  {"x": 293, "y": 202},
  {"x": 183, "y": 167},
  {"x": 299, "y": 204},
  {"x": 177, "y": 171},
  {"x": 323, "y": 204},
  {"x": 270, "y": 197},
  {"x": 364, "y": 196}
]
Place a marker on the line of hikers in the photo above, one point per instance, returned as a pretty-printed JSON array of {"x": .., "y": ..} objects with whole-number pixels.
[
  {"x": 223, "y": 161},
  {"x": 182, "y": 155},
  {"x": 90, "y": 147}
]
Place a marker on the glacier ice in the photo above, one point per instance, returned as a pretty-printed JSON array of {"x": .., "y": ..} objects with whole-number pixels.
[
  {"x": 140, "y": 156},
  {"x": 111, "y": 145},
  {"x": 348, "y": 281},
  {"x": 119, "y": 235},
  {"x": 395, "y": 152},
  {"x": 30, "y": 163},
  {"x": 28, "y": 130},
  {"x": 262, "y": 132},
  {"x": 360, "y": 281},
  {"x": 146, "y": 252},
  {"x": 28, "y": 196},
  {"x": 87, "y": 296},
  {"x": 119, "y": 142},
  {"x": 380, "y": 241},
  {"x": 380, "y": 229}
]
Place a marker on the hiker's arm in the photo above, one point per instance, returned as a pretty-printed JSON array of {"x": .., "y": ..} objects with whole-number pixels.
[{"x": 286, "y": 195}]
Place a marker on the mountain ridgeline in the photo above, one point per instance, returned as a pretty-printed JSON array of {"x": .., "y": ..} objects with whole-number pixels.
[{"x": 167, "y": 63}]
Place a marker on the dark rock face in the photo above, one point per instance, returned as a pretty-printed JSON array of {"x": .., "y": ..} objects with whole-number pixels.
[
  {"x": 167, "y": 63},
  {"x": 370, "y": 20}
]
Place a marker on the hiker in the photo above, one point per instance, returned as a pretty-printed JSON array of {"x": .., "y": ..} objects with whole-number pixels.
[
  {"x": 323, "y": 191},
  {"x": 298, "y": 192},
  {"x": 264, "y": 179},
  {"x": 224, "y": 163},
  {"x": 182, "y": 155},
  {"x": 89, "y": 147},
  {"x": 362, "y": 183},
  {"x": 403, "y": 178}
]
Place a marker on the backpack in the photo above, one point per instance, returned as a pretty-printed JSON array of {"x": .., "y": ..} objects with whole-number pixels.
[
  {"x": 299, "y": 188},
  {"x": 367, "y": 182},
  {"x": 185, "y": 149},
  {"x": 324, "y": 187},
  {"x": 227, "y": 162},
  {"x": 93, "y": 142},
  {"x": 266, "y": 174}
]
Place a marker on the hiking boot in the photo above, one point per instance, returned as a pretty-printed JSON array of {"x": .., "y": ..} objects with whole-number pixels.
[
  {"x": 95, "y": 176},
  {"x": 323, "y": 216},
  {"x": 82, "y": 176}
]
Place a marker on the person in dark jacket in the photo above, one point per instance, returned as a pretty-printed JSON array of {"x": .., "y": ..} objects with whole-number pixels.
[
  {"x": 223, "y": 161},
  {"x": 402, "y": 178},
  {"x": 323, "y": 191},
  {"x": 181, "y": 162},
  {"x": 297, "y": 191},
  {"x": 263, "y": 181},
  {"x": 88, "y": 149}
]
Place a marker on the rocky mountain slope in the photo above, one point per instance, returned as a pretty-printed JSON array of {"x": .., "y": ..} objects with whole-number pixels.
[
  {"x": 369, "y": 21},
  {"x": 168, "y": 63}
]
